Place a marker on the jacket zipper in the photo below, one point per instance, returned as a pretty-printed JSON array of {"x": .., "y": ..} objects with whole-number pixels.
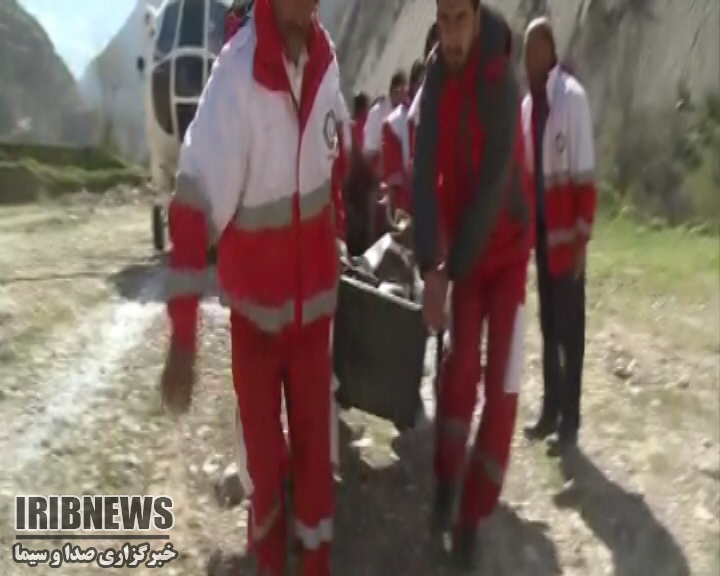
[{"x": 297, "y": 304}]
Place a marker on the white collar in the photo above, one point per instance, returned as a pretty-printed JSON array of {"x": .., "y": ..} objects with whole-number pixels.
[{"x": 552, "y": 79}]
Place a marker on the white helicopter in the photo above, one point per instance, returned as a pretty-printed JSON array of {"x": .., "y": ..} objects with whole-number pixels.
[{"x": 183, "y": 39}]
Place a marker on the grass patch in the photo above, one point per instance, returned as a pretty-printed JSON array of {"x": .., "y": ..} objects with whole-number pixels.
[
  {"x": 675, "y": 262},
  {"x": 86, "y": 158},
  {"x": 29, "y": 172}
]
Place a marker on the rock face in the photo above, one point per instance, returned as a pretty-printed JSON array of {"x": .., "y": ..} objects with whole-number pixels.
[
  {"x": 644, "y": 64},
  {"x": 636, "y": 54},
  {"x": 39, "y": 101}
]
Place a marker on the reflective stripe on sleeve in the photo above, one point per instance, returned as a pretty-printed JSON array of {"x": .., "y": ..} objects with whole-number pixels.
[{"x": 180, "y": 283}]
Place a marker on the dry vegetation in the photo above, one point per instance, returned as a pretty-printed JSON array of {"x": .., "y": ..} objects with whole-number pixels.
[{"x": 82, "y": 343}]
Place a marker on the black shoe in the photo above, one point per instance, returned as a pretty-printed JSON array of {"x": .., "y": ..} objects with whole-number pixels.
[
  {"x": 544, "y": 427},
  {"x": 442, "y": 509},
  {"x": 462, "y": 552},
  {"x": 566, "y": 443}
]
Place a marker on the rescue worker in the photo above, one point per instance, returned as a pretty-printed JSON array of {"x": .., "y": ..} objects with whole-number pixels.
[
  {"x": 414, "y": 111},
  {"x": 559, "y": 140},
  {"x": 254, "y": 171},
  {"x": 396, "y": 146},
  {"x": 473, "y": 217},
  {"x": 372, "y": 134},
  {"x": 235, "y": 17},
  {"x": 361, "y": 107}
]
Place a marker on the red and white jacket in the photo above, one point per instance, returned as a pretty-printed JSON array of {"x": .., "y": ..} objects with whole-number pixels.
[
  {"x": 396, "y": 157},
  {"x": 372, "y": 133},
  {"x": 255, "y": 176},
  {"x": 568, "y": 167}
]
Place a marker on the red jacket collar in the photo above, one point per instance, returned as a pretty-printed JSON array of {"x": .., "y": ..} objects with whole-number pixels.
[
  {"x": 268, "y": 65},
  {"x": 269, "y": 43}
]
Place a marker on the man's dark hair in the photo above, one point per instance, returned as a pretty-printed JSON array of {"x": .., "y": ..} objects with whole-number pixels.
[
  {"x": 361, "y": 102},
  {"x": 431, "y": 39},
  {"x": 475, "y": 4},
  {"x": 398, "y": 80},
  {"x": 416, "y": 72}
]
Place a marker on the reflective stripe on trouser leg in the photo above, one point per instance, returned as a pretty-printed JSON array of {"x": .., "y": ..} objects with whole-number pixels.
[
  {"x": 243, "y": 472},
  {"x": 257, "y": 369},
  {"x": 460, "y": 374},
  {"x": 309, "y": 389},
  {"x": 490, "y": 455}
]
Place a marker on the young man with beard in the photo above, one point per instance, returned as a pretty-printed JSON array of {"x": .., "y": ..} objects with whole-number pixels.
[
  {"x": 559, "y": 140},
  {"x": 255, "y": 177},
  {"x": 372, "y": 134},
  {"x": 473, "y": 215}
]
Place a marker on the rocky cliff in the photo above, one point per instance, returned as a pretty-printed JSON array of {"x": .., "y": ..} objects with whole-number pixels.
[
  {"x": 39, "y": 101},
  {"x": 651, "y": 69}
]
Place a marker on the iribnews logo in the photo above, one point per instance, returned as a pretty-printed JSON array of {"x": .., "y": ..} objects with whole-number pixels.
[{"x": 92, "y": 514}]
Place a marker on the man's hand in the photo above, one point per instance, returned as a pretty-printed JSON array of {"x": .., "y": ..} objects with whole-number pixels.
[
  {"x": 434, "y": 298},
  {"x": 579, "y": 262},
  {"x": 178, "y": 379},
  {"x": 341, "y": 248}
]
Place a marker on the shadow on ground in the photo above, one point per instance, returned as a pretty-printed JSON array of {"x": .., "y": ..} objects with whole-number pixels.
[
  {"x": 622, "y": 520},
  {"x": 141, "y": 281},
  {"x": 145, "y": 281},
  {"x": 95, "y": 267},
  {"x": 381, "y": 524},
  {"x": 382, "y": 521}
]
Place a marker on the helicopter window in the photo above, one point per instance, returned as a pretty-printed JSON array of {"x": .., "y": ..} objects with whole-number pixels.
[
  {"x": 189, "y": 76},
  {"x": 166, "y": 36},
  {"x": 192, "y": 25}
]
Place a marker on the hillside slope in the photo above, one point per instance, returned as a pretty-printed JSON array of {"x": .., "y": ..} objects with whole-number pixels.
[
  {"x": 647, "y": 49},
  {"x": 39, "y": 100}
]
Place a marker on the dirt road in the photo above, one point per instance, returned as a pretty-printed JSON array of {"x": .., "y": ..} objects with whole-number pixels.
[{"x": 82, "y": 338}]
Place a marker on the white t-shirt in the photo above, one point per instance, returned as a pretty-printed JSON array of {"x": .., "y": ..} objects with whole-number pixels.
[{"x": 372, "y": 135}]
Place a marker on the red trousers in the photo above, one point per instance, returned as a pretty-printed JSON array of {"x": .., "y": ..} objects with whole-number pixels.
[
  {"x": 497, "y": 301},
  {"x": 261, "y": 364}
]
